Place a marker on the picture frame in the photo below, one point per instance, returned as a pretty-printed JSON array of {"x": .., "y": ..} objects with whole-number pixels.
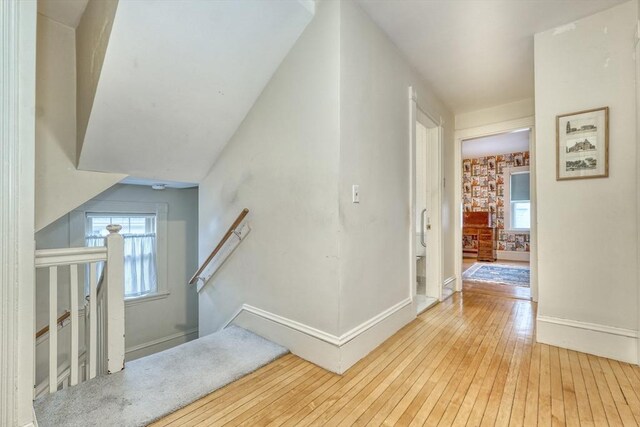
[{"x": 582, "y": 144}]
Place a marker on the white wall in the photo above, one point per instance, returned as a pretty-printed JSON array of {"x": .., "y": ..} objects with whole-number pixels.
[
  {"x": 59, "y": 186},
  {"x": 375, "y": 153},
  {"x": 336, "y": 113},
  {"x": 154, "y": 325},
  {"x": 587, "y": 229},
  {"x": 496, "y": 114},
  {"x": 282, "y": 164}
]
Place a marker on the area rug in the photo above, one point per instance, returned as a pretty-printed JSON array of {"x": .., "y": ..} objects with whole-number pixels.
[
  {"x": 498, "y": 273},
  {"x": 154, "y": 386}
]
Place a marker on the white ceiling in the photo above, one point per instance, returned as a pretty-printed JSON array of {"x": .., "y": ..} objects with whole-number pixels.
[
  {"x": 475, "y": 53},
  {"x": 149, "y": 182},
  {"x": 179, "y": 78},
  {"x": 504, "y": 143}
]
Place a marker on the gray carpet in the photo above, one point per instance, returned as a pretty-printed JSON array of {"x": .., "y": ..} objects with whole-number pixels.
[{"x": 157, "y": 385}]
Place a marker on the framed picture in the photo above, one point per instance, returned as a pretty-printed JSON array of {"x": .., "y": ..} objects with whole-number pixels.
[{"x": 582, "y": 144}]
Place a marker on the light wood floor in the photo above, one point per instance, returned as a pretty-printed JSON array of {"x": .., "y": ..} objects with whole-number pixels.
[
  {"x": 495, "y": 289},
  {"x": 470, "y": 360}
]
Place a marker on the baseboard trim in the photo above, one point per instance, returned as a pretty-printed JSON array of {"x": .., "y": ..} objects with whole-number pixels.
[
  {"x": 330, "y": 351},
  {"x": 363, "y": 327},
  {"x": 513, "y": 256},
  {"x": 162, "y": 340},
  {"x": 449, "y": 281},
  {"x": 600, "y": 340}
]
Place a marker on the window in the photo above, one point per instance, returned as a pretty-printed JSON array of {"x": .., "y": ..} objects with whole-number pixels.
[
  {"x": 139, "y": 233},
  {"x": 518, "y": 199}
]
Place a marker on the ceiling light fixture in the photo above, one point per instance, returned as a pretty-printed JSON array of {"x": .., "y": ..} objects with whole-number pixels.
[{"x": 159, "y": 186}]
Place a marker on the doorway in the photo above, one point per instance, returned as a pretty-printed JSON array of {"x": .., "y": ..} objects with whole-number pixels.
[
  {"x": 497, "y": 229},
  {"x": 426, "y": 234}
]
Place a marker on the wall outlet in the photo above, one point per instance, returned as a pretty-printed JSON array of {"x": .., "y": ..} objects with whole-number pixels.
[{"x": 355, "y": 193}]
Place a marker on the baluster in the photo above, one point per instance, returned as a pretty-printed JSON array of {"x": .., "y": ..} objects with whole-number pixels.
[
  {"x": 73, "y": 275},
  {"x": 53, "y": 329},
  {"x": 93, "y": 325},
  {"x": 114, "y": 304}
]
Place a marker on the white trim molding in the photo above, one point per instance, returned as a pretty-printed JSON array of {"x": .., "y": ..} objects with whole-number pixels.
[
  {"x": 487, "y": 130},
  {"x": 332, "y": 352},
  {"x": 17, "y": 188},
  {"x": 449, "y": 281},
  {"x": 592, "y": 338},
  {"x": 435, "y": 162},
  {"x": 141, "y": 350}
]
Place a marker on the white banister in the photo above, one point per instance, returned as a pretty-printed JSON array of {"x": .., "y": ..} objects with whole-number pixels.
[
  {"x": 93, "y": 321},
  {"x": 103, "y": 331},
  {"x": 49, "y": 257},
  {"x": 53, "y": 328},
  {"x": 73, "y": 289},
  {"x": 115, "y": 299}
]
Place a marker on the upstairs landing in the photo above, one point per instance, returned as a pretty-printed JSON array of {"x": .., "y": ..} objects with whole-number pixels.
[{"x": 156, "y": 385}]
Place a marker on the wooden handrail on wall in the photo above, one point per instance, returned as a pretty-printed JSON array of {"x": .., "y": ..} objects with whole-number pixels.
[
  {"x": 224, "y": 239},
  {"x": 64, "y": 316}
]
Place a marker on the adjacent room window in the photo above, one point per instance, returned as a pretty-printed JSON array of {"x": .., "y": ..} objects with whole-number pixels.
[
  {"x": 519, "y": 199},
  {"x": 139, "y": 232}
]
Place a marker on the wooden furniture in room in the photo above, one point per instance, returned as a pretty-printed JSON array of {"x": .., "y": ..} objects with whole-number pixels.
[{"x": 478, "y": 225}]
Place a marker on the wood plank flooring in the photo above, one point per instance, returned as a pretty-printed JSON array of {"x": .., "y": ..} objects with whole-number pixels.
[
  {"x": 495, "y": 289},
  {"x": 470, "y": 360}
]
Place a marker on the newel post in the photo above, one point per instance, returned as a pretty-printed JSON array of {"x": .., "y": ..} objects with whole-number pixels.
[{"x": 115, "y": 299}]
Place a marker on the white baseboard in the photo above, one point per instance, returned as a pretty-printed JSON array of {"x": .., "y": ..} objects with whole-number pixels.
[
  {"x": 334, "y": 353},
  {"x": 513, "y": 256},
  {"x": 600, "y": 340},
  {"x": 449, "y": 282},
  {"x": 311, "y": 348},
  {"x": 154, "y": 346},
  {"x": 368, "y": 339}
]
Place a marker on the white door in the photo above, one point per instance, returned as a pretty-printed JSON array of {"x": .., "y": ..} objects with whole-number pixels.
[{"x": 428, "y": 210}]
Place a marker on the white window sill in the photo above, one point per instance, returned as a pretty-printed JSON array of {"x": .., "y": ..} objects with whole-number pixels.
[
  {"x": 518, "y": 231},
  {"x": 145, "y": 298}
]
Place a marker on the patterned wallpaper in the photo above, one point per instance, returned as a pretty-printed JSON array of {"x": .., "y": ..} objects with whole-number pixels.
[{"x": 483, "y": 190}]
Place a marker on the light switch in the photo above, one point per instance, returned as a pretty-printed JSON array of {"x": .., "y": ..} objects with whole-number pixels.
[{"x": 355, "y": 193}]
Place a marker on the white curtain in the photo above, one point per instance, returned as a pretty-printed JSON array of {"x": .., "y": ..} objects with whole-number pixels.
[{"x": 139, "y": 262}]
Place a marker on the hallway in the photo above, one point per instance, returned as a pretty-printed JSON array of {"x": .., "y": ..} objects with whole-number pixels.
[{"x": 470, "y": 360}]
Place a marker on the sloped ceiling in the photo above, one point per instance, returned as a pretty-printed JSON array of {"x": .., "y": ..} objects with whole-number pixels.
[
  {"x": 475, "y": 53},
  {"x": 66, "y": 12},
  {"x": 179, "y": 78}
]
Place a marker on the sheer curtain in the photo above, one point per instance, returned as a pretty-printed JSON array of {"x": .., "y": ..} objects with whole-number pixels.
[{"x": 139, "y": 262}]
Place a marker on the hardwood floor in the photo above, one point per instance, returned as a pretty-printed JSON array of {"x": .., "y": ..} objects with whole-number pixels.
[
  {"x": 470, "y": 360},
  {"x": 495, "y": 289}
]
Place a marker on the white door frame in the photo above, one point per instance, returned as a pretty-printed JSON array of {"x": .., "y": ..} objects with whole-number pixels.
[
  {"x": 477, "y": 132},
  {"x": 17, "y": 154},
  {"x": 435, "y": 167},
  {"x": 637, "y": 51}
]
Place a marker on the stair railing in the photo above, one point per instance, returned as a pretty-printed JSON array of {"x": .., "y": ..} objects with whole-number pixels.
[
  {"x": 239, "y": 231},
  {"x": 103, "y": 308}
]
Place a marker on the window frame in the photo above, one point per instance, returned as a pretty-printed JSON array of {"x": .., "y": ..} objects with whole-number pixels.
[
  {"x": 507, "y": 172},
  {"x": 77, "y": 236}
]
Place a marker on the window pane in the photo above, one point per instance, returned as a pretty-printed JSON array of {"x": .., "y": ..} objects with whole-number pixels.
[
  {"x": 123, "y": 221},
  {"x": 139, "y": 235},
  {"x": 98, "y": 226},
  {"x": 521, "y": 215},
  {"x": 520, "y": 186},
  {"x": 137, "y": 225}
]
